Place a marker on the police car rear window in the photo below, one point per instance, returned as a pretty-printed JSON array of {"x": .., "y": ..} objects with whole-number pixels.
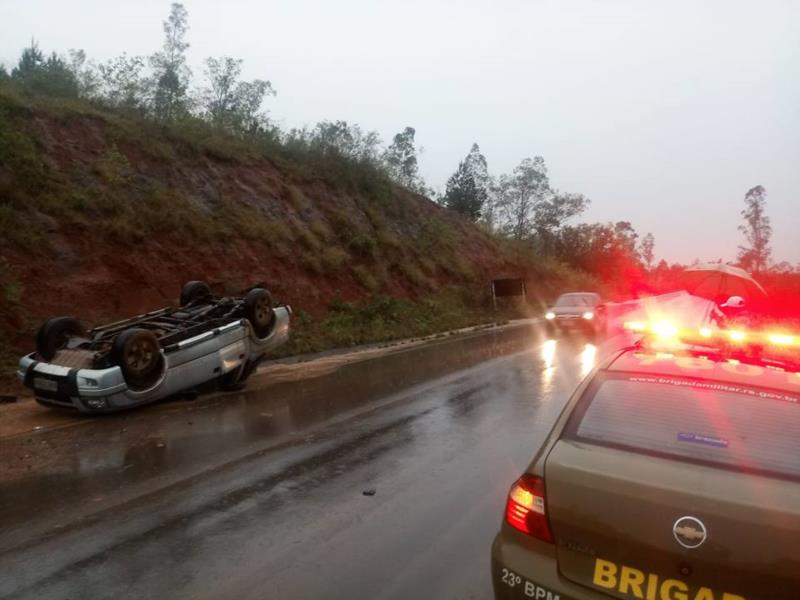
[{"x": 712, "y": 422}]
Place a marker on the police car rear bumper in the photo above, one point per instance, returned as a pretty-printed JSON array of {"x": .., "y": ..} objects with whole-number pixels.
[{"x": 524, "y": 567}]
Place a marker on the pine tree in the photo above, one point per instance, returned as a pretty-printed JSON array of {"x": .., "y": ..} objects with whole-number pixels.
[{"x": 466, "y": 189}]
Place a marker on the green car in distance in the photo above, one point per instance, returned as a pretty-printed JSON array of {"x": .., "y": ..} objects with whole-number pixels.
[{"x": 668, "y": 476}]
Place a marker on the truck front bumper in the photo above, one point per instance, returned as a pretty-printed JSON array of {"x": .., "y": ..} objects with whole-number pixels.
[{"x": 85, "y": 390}]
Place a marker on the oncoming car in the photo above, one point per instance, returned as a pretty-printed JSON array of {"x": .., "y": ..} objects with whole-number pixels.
[
  {"x": 154, "y": 355},
  {"x": 582, "y": 311},
  {"x": 673, "y": 473}
]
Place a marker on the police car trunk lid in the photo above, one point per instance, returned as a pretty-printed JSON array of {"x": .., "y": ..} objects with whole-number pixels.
[{"x": 633, "y": 519}]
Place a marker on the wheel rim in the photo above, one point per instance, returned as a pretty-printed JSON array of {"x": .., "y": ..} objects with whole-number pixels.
[
  {"x": 140, "y": 356},
  {"x": 263, "y": 310}
]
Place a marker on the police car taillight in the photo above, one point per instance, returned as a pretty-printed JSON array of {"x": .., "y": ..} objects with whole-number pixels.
[{"x": 525, "y": 508}]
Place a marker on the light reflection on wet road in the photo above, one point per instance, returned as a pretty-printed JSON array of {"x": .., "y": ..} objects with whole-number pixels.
[{"x": 290, "y": 520}]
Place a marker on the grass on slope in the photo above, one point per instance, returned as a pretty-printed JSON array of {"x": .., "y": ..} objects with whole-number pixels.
[{"x": 69, "y": 166}]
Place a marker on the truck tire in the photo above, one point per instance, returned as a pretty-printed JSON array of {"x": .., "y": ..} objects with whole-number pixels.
[
  {"x": 258, "y": 310},
  {"x": 54, "y": 335},
  {"x": 138, "y": 354},
  {"x": 193, "y": 291}
]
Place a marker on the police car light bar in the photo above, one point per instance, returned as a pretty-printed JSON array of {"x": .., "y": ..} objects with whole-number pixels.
[{"x": 664, "y": 330}]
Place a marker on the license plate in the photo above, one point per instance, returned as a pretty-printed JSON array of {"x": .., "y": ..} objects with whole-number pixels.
[
  {"x": 47, "y": 385},
  {"x": 528, "y": 589}
]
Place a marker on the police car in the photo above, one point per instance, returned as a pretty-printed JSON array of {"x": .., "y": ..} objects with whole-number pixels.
[{"x": 673, "y": 473}]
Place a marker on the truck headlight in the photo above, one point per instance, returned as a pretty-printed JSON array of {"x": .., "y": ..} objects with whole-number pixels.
[{"x": 550, "y": 315}]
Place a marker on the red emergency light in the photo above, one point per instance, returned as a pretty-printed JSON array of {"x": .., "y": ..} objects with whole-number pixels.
[{"x": 770, "y": 345}]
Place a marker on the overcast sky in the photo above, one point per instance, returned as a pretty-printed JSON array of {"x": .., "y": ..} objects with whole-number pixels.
[{"x": 663, "y": 113}]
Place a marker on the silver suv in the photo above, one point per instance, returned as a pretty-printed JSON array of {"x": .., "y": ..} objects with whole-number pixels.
[{"x": 154, "y": 355}]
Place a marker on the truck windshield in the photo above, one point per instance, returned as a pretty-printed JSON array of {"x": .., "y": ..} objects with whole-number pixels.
[
  {"x": 575, "y": 300},
  {"x": 712, "y": 422}
]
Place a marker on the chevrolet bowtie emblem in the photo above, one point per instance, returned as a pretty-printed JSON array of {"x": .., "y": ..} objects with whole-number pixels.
[{"x": 689, "y": 532}]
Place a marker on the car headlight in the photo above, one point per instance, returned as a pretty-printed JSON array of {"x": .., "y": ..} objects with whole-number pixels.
[
  {"x": 588, "y": 315},
  {"x": 549, "y": 315},
  {"x": 86, "y": 381}
]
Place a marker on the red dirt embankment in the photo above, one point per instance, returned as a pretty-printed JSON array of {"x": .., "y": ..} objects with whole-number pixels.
[{"x": 104, "y": 215}]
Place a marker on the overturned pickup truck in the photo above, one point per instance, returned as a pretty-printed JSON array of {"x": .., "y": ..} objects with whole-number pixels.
[{"x": 154, "y": 355}]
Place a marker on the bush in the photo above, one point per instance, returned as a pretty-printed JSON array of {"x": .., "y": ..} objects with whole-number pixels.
[
  {"x": 367, "y": 279},
  {"x": 9, "y": 289},
  {"x": 19, "y": 154},
  {"x": 413, "y": 274},
  {"x": 386, "y": 318},
  {"x": 333, "y": 259},
  {"x": 363, "y": 246},
  {"x": 113, "y": 168}
]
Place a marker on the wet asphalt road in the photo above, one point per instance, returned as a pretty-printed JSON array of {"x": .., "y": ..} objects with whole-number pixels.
[{"x": 180, "y": 514}]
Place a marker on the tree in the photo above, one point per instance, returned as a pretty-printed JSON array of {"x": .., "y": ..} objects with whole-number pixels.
[
  {"x": 783, "y": 268},
  {"x": 58, "y": 79},
  {"x": 757, "y": 231},
  {"x": 171, "y": 74},
  {"x": 400, "y": 161},
  {"x": 49, "y": 75},
  {"x": 605, "y": 249},
  {"x": 4, "y": 76},
  {"x": 219, "y": 98},
  {"x": 551, "y": 212},
  {"x": 519, "y": 193},
  {"x": 477, "y": 165},
  {"x": 85, "y": 73},
  {"x": 646, "y": 250},
  {"x": 468, "y": 188},
  {"x": 121, "y": 82},
  {"x": 30, "y": 63},
  {"x": 232, "y": 104},
  {"x": 341, "y": 139},
  {"x": 249, "y": 98},
  {"x": 463, "y": 194}
]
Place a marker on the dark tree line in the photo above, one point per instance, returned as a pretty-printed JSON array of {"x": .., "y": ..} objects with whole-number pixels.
[{"x": 525, "y": 207}]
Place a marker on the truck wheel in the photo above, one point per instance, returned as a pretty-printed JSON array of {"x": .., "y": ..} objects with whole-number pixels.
[
  {"x": 138, "y": 354},
  {"x": 54, "y": 335},
  {"x": 258, "y": 310},
  {"x": 193, "y": 291}
]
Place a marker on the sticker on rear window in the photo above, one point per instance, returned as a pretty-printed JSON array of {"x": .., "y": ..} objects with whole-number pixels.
[
  {"x": 718, "y": 387},
  {"x": 708, "y": 440}
]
